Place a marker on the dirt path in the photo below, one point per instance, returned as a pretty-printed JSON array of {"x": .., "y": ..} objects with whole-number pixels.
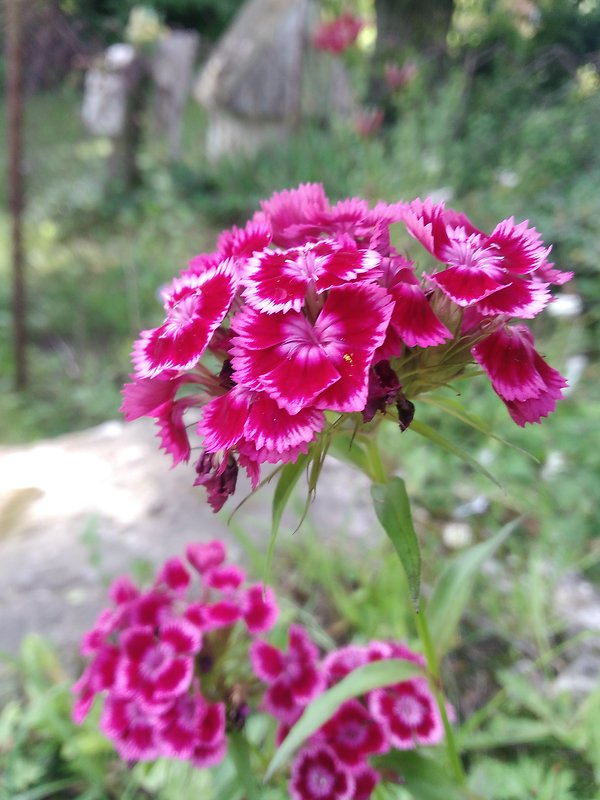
[{"x": 81, "y": 508}]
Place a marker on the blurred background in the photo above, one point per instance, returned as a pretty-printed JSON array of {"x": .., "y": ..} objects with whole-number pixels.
[{"x": 135, "y": 134}]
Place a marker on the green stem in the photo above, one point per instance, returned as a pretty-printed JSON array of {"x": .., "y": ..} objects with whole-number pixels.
[
  {"x": 377, "y": 470},
  {"x": 435, "y": 682},
  {"x": 378, "y": 475}
]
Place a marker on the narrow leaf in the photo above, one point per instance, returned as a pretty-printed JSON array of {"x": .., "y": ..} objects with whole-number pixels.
[
  {"x": 47, "y": 790},
  {"x": 392, "y": 507},
  {"x": 454, "y": 587},
  {"x": 288, "y": 478},
  {"x": 450, "y": 447},
  {"x": 240, "y": 755},
  {"x": 358, "y": 682},
  {"x": 456, "y": 410},
  {"x": 509, "y": 732},
  {"x": 424, "y": 778},
  {"x": 346, "y": 448}
]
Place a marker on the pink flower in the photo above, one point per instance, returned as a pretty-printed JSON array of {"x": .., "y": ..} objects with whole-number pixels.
[
  {"x": 155, "y": 670},
  {"x": 240, "y": 244},
  {"x": 219, "y": 479},
  {"x": 325, "y": 364},
  {"x": 338, "y": 35},
  {"x": 367, "y": 122},
  {"x": 293, "y": 677},
  {"x": 413, "y": 320},
  {"x": 243, "y": 416},
  {"x": 281, "y": 280},
  {"x": 133, "y": 732},
  {"x": 259, "y": 608},
  {"x": 211, "y": 616},
  {"x": 341, "y": 662},
  {"x": 528, "y": 386},
  {"x": 195, "y": 305},
  {"x": 123, "y": 590},
  {"x": 365, "y": 780},
  {"x": 408, "y": 714},
  {"x": 505, "y": 272},
  {"x": 225, "y": 578},
  {"x": 205, "y": 555},
  {"x": 156, "y": 397},
  {"x": 205, "y": 756},
  {"x": 318, "y": 775},
  {"x": 191, "y": 723},
  {"x": 98, "y": 676},
  {"x": 294, "y": 214},
  {"x": 353, "y": 734},
  {"x": 397, "y": 77},
  {"x": 432, "y": 223},
  {"x": 174, "y": 575}
]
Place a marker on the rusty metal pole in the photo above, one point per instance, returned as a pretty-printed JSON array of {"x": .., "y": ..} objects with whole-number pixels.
[{"x": 14, "y": 102}]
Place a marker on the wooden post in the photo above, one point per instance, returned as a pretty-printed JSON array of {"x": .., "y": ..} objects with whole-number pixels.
[{"x": 14, "y": 102}]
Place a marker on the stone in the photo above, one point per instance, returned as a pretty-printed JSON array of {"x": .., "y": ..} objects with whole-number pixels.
[
  {"x": 263, "y": 76},
  {"x": 171, "y": 68}
]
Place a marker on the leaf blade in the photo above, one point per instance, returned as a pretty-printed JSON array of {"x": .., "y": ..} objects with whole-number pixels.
[
  {"x": 450, "y": 447},
  {"x": 288, "y": 479},
  {"x": 424, "y": 778},
  {"x": 392, "y": 507},
  {"x": 359, "y": 681},
  {"x": 453, "y": 588}
]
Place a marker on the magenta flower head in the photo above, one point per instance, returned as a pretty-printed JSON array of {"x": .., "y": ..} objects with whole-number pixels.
[
  {"x": 335, "y": 761},
  {"x": 153, "y": 657},
  {"x": 317, "y": 774},
  {"x": 307, "y": 323},
  {"x": 338, "y": 35}
]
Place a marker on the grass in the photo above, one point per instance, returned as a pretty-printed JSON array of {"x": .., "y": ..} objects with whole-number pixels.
[{"x": 94, "y": 265}]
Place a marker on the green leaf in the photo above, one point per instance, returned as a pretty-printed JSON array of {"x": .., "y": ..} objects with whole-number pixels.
[
  {"x": 47, "y": 790},
  {"x": 240, "y": 755},
  {"x": 346, "y": 448},
  {"x": 392, "y": 507},
  {"x": 424, "y": 778},
  {"x": 457, "y": 411},
  {"x": 434, "y": 436},
  {"x": 508, "y": 732},
  {"x": 359, "y": 681},
  {"x": 288, "y": 478},
  {"x": 454, "y": 587}
]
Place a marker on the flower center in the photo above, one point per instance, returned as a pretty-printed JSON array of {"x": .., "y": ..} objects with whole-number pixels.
[
  {"x": 352, "y": 734},
  {"x": 409, "y": 710},
  {"x": 320, "y": 782},
  {"x": 183, "y": 313},
  {"x": 154, "y": 661}
]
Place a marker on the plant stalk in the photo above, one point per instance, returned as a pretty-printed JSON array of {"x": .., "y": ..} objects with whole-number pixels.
[{"x": 378, "y": 475}]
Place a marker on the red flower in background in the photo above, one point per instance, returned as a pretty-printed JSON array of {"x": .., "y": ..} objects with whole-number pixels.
[{"x": 339, "y": 34}]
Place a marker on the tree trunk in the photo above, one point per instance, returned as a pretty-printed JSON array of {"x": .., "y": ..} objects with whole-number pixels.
[{"x": 14, "y": 102}]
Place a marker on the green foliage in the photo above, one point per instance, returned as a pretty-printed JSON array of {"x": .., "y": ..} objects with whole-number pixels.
[
  {"x": 209, "y": 17},
  {"x": 392, "y": 507},
  {"x": 360, "y": 681}
]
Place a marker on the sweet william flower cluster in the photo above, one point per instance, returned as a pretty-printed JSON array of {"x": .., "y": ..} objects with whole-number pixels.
[
  {"x": 309, "y": 316},
  {"x": 180, "y": 667},
  {"x": 152, "y": 653},
  {"x": 334, "y": 763}
]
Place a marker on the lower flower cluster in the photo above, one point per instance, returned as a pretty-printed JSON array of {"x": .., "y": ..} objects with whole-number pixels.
[
  {"x": 152, "y": 656},
  {"x": 334, "y": 762},
  {"x": 179, "y": 666}
]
